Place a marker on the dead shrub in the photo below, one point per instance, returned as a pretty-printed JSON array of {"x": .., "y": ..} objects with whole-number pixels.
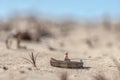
[{"x": 32, "y": 59}]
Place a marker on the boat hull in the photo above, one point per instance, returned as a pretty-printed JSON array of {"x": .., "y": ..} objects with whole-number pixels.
[{"x": 63, "y": 64}]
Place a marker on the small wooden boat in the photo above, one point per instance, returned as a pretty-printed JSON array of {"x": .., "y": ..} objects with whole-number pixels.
[{"x": 63, "y": 64}]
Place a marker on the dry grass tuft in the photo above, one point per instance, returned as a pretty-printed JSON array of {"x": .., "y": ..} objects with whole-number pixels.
[{"x": 32, "y": 59}]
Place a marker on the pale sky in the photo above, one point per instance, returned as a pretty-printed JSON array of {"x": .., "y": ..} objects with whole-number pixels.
[{"x": 77, "y": 8}]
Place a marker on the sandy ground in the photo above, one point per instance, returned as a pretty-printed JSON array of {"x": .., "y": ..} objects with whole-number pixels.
[{"x": 97, "y": 58}]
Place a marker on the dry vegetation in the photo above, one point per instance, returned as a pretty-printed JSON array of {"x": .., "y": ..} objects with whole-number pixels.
[
  {"x": 31, "y": 28},
  {"x": 32, "y": 59}
]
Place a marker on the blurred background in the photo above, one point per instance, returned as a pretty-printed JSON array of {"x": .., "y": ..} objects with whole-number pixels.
[
  {"x": 86, "y": 29},
  {"x": 51, "y": 18}
]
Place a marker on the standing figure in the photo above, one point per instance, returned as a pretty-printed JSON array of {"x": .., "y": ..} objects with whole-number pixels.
[{"x": 66, "y": 59}]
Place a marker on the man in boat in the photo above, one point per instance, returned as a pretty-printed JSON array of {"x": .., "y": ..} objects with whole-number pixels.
[{"x": 66, "y": 59}]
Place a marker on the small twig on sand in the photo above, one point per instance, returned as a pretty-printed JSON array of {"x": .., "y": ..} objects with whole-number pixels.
[{"x": 32, "y": 59}]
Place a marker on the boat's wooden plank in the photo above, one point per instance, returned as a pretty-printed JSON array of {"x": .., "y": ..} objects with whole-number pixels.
[{"x": 59, "y": 63}]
